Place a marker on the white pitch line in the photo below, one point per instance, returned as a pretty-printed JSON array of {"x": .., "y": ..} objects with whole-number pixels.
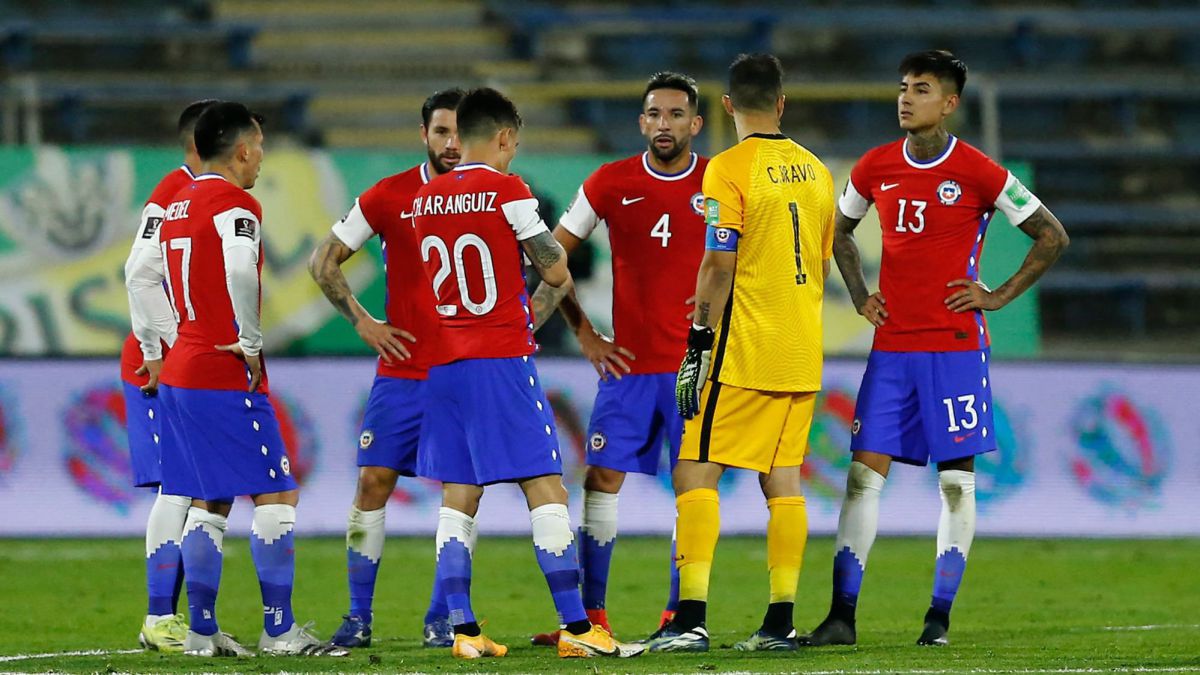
[
  {"x": 50, "y": 655},
  {"x": 999, "y": 670},
  {"x": 1154, "y": 626}
]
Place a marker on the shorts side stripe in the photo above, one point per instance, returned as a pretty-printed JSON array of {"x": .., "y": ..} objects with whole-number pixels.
[
  {"x": 719, "y": 357},
  {"x": 710, "y": 412}
]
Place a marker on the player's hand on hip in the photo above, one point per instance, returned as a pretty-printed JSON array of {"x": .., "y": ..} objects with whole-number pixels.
[
  {"x": 972, "y": 295},
  {"x": 253, "y": 364},
  {"x": 153, "y": 368},
  {"x": 607, "y": 357},
  {"x": 693, "y": 372},
  {"x": 873, "y": 309},
  {"x": 385, "y": 338}
]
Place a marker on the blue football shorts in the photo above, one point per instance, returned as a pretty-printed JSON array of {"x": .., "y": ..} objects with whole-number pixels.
[
  {"x": 487, "y": 421},
  {"x": 632, "y": 418},
  {"x": 221, "y": 444},
  {"x": 922, "y": 406}
]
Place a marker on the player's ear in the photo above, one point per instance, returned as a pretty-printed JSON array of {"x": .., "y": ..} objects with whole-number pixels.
[
  {"x": 779, "y": 105},
  {"x": 424, "y": 135},
  {"x": 697, "y": 124},
  {"x": 951, "y": 105},
  {"x": 727, "y": 103}
]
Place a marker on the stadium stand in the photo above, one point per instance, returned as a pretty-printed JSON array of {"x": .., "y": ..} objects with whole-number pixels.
[{"x": 1100, "y": 97}]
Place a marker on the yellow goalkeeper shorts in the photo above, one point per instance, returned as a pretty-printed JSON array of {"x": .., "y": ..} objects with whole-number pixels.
[{"x": 748, "y": 428}]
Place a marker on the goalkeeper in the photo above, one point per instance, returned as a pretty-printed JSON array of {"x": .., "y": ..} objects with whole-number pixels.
[{"x": 748, "y": 383}]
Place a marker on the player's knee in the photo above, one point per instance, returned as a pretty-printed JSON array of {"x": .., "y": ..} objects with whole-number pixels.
[
  {"x": 603, "y": 479},
  {"x": 956, "y": 485},
  {"x": 375, "y": 485},
  {"x": 862, "y": 479}
]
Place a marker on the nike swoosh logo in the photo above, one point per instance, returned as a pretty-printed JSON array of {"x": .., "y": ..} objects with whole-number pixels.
[
  {"x": 625, "y": 201},
  {"x": 406, "y": 214},
  {"x": 884, "y": 187}
]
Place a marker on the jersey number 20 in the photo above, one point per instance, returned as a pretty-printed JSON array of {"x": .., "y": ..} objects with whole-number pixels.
[{"x": 455, "y": 263}]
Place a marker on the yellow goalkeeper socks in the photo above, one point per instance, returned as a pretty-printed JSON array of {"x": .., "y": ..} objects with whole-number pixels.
[
  {"x": 787, "y": 533},
  {"x": 698, "y": 525}
]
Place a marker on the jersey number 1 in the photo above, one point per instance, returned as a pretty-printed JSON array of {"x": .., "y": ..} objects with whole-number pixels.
[{"x": 801, "y": 277}]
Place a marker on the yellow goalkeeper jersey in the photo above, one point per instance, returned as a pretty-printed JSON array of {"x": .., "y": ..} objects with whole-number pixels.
[{"x": 779, "y": 199}]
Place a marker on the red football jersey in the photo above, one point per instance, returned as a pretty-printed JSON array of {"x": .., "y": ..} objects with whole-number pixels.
[
  {"x": 656, "y": 232},
  {"x": 385, "y": 210},
  {"x": 934, "y": 218},
  {"x": 203, "y": 220},
  {"x": 470, "y": 223},
  {"x": 152, "y": 217}
]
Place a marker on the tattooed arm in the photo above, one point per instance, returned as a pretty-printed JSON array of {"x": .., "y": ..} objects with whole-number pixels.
[
  {"x": 550, "y": 260},
  {"x": 1049, "y": 241},
  {"x": 849, "y": 262},
  {"x": 325, "y": 266},
  {"x": 714, "y": 284}
]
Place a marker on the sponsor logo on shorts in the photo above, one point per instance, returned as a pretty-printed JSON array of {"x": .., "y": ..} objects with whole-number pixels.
[
  {"x": 960, "y": 439},
  {"x": 856, "y": 426},
  {"x": 366, "y": 439},
  {"x": 949, "y": 192},
  {"x": 597, "y": 442},
  {"x": 285, "y": 465}
]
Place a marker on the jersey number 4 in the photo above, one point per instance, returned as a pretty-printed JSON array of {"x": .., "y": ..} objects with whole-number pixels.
[
  {"x": 662, "y": 229},
  {"x": 455, "y": 264}
]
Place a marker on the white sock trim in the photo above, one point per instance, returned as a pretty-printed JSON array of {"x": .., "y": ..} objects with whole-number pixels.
[
  {"x": 365, "y": 532},
  {"x": 212, "y": 523},
  {"x": 454, "y": 524},
  {"x": 273, "y": 521},
  {"x": 858, "y": 522},
  {"x": 600, "y": 516},
  {"x": 551, "y": 528},
  {"x": 956, "y": 524},
  {"x": 166, "y": 521}
]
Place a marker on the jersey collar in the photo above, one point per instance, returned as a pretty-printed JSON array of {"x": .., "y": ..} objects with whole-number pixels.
[
  {"x": 188, "y": 170},
  {"x": 929, "y": 164},
  {"x": 210, "y": 176},
  {"x": 475, "y": 165},
  {"x": 668, "y": 176},
  {"x": 424, "y": 172}
]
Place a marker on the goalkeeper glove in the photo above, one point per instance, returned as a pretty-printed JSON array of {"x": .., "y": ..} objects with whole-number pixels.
[{"x": 693, "y": 372}]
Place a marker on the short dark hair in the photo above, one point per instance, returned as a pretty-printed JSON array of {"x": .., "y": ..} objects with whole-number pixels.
[
  {"x": 446, "y": 99},
  {"x": 484, "y": 111},
  {"x": 219, "y": 127},
  {"x": 666, "y": 79},
  {"x": 755, "y": 82},
  {"x": 187, "y": 118},
  {"x": 937, "y": 62}
]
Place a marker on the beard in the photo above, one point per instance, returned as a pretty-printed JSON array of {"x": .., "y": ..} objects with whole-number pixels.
[
  {"x": 442, "y": 163},
  {"x": 668, "y": 154}
]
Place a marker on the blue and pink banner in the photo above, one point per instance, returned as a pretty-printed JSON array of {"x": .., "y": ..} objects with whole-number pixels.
[{"x": 1085, "y": 450}]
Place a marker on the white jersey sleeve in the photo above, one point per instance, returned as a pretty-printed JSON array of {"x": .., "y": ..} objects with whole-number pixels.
[
  {"x": 851, "y": 203},
  {"x": 522, "y": 216},
  {"x": 581, "y": 218},
  {"x": 241, "y": 236},
  {"x": 353, "y": 229},
  {"x": 1016, "y": 202},
  {"x": 150, "y": 312},
  {"x": 147, "y": 232}
]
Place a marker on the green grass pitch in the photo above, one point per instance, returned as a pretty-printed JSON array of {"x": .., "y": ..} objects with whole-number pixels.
[{"x": 1025, "y": 606}]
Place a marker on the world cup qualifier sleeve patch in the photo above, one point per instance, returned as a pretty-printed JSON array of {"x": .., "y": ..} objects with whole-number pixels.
[{"x": 244, "y": 227}]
